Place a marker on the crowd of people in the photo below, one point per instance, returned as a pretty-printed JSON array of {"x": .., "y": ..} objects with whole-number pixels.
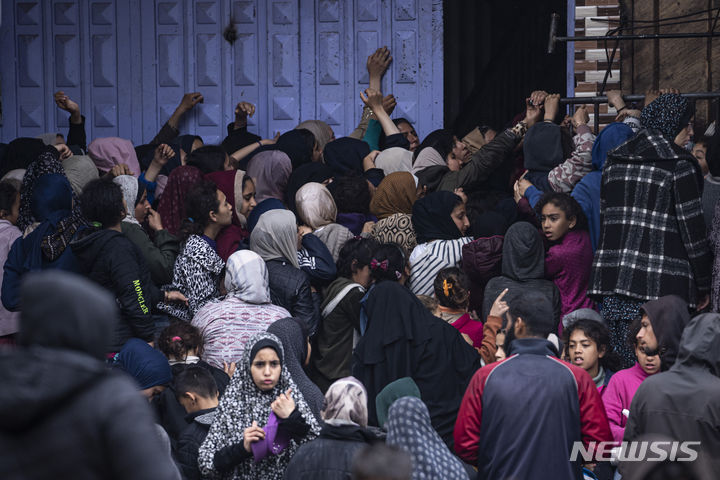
[{"x": 375, "y": 306}]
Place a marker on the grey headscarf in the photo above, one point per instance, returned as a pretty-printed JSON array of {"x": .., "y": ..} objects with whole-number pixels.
[
  {"x": 428, "y": 157},
  {"x": 80, "y": 170},
  {"x": 246, "y": 277},
  {"x": 49, "y": 138},
  {"x": 395, "y": 159},
  {"x": 346, "y": 403},
  {"x": 320, "y": 129},
  {"x": 275, "y": 236}
]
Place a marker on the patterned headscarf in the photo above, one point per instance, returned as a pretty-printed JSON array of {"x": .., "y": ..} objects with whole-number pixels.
[
  {"x": 346, "y": 403},
  {"x": 246, "y": 277},
  {"x": 669, "y": 113},
  {"x": 131, "y": 191},
  {"x": 395, "y": 194},
  {"x": 409, "y": 428},
  {"x": 396, "y": 229},
  {"x": 243, "y": 403},
  {"x": 315, "y": 205},
  {"x": 172, "y": 203}
]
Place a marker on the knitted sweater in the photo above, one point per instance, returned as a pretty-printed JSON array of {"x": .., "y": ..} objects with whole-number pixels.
[{"x": 568, "y": 264}]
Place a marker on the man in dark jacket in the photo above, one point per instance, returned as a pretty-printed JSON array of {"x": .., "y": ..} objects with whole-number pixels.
[
  {"x": 63, "y": 414},
  {"x": 524, "y": 418},
  {"x": 196, "y": 390},
  {"x": 109, "y": 258},
  {"x": 684, "y": 402}
]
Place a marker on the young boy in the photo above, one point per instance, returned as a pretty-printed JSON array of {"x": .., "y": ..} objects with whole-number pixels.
[
  {"x": 587, "y": 345},
  {"x": 196, "y": 390}
]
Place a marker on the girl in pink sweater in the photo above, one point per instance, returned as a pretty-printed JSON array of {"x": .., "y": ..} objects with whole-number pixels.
[
  {"x": 569, "y": 258},
  {"x": 622, "y": 387}
]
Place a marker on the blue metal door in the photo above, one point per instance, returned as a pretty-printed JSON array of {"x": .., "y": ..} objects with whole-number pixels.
[{"x": 128, "y": 63}]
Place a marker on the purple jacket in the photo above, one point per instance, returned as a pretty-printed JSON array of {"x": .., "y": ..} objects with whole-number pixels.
[
  {"x": 568, "y": 264},
  {"x": 619, "y": 394},
  {"x": 8, "y": 234}
]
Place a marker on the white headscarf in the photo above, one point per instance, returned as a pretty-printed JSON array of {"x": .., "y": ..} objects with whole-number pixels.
[
  {"x": 275, "y": 236},
  {"x": 395, "y": 159},
  {"x": 428, "y": 157},
  {"x": 246, "y": 277},
  {"x": 315, "y": 205},
  {"x": 129, "y": 186}
]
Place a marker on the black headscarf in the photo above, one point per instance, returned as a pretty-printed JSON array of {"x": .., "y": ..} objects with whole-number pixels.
[
  {"x": 668, "y": 315},
  {"x": 345, "y": 155},
  {"x": 20, "y": 153},
  {"x": 64, "y": 310},
  {"x": 311, "y": 172},
  {"x": 298, "y": 145},
  {"x": 431, "y": 217},
  {"x": 542, "y": 147},
  {"x": 403, "y": 339},
  {"x": 669, "y": 113},
  {"x": 266, "y": 343},
  {"x": 237, "y": 139},
  {"x": 523, "y": 252}
]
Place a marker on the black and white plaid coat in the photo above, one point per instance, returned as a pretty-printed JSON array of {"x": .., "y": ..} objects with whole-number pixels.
[{"x": 653, "y": 240}]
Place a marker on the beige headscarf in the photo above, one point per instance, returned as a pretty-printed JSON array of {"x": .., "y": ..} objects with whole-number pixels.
[
  {"x": 315, "y": 205},
  {"x": 320, "y": 129},
  {"x": 428, "y": 157},
  {"x": 395, "y": 159}
]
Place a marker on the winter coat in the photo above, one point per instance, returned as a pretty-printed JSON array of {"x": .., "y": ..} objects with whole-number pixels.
[
  {"x": 618, "y": 395},
  {"x": 653, "y": 240},
  {"x": 190, "y": 440},
  {"x": 683, "y": 403},
  {"x": 491, "y": 434},
  {"x": 481, "y": 261},
  {"x": 567, "y": 264},
  {"x": 79, "y": 420},
  {"x": 111, "y": 260},
  {"x": 290, "y": 289},
  {"x": 330, "y": 456},
  {"x": 159, "y": 253},
  {"x": 8, "y": 234}
]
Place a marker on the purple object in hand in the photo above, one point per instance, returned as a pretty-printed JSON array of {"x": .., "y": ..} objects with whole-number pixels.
[{"x": 275, "y": 440}]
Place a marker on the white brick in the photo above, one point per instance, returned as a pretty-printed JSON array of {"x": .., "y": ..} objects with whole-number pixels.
[
  {"x": 582, "y": 12},
  {"x": 598, "y": 76}
]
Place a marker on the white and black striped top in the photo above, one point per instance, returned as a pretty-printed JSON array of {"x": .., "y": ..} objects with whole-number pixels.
[{"x": 429, "y": 258}]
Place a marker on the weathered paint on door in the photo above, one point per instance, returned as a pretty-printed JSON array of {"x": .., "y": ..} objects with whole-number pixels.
[{"x": 128, "y": 62}]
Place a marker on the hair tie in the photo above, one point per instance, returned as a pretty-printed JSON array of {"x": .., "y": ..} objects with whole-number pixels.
[
  {"x": 398, "y": 275},
  {"x": 191, "y": 220},
  {"x": 447, "y": 287},
  {"x": 176, "y": 339},
  {"x": 374, "y": 265}
]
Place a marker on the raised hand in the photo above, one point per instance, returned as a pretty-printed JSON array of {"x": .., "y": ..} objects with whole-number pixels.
[
  {"x": 154, "y": 220},
  {"x": 373, "y": 99},
  {"x": 63, "y": 150},
  {"x": 499, "y": 306},
  {"x": 189, "y": 100},
  {"x": 64, "y": 102},
  {"x": 163, "y": 153},
  {"x": 615, "y": 99},
  {"x": 369, "y": 160},
  {"x": 229, "y": 368},
  {"x": 552, "y": 106},
  {"x": 378, "y": 63},
  {"x": 581, "y": 116},
  {"x": 118, "y": 170},
  {"x": 244, "y": 109},
  {"x": 283, "y": 405},
  {"x": 389, "y": 103}
]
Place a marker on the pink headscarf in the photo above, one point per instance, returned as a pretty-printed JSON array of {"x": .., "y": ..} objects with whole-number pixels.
[
  {"x": 110, "y": 151},
  {"x": 270, "y": 170}
]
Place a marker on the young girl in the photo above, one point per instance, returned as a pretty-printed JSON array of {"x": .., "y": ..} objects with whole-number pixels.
[
  {"x": 619, "y": 393},
  {"x": 587, "y": 345},
  {"x": 261, "y": 420},
  {"x": 453, "y": 296},
  {"x": 198, "y": 268},
  {"x": 569, "y": 258}
]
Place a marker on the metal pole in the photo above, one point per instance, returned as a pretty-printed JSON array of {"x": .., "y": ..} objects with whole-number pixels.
[
  {"x": 634, "y": 98},
  {"x": 637, "y": 37}
]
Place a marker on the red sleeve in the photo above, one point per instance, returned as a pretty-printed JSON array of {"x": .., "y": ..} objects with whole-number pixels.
[
  {"x": 467, "y": 425},
  {"x": 594, "y": 424}
]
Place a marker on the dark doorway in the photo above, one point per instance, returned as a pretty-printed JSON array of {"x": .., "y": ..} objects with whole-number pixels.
[{"x": 495, "y": 55}]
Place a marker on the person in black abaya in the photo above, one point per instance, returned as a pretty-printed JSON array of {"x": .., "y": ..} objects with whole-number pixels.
[{"x": 403, "y": 339}]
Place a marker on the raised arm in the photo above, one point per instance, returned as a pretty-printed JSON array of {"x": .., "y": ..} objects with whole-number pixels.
[{"x": 76, "y": 132}]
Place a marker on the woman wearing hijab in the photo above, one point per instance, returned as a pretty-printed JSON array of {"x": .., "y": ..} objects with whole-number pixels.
[
  {"x": 109, "y": 152},
  {"x": 270, "y": 170},
  {"x": 394, "y": 159},
  {"x": 47, "y": 246},
  {"x": 20, "y": 153},
  {"x": 293, "y": 333},
  {"x": 172, "y": 203},
  {"x": 410, "y": 429},
  {"x": 440, "y": 222},
  {"x": 653, "y": 238},
  {"x": 397, "y": 229},
  {"x": 523, "y": 268},
  {"x": 159, "y": 253},
  {"x": 198, "y": 268},
  {"x": 227, "y": 323},
  {"x": 316, "y": 209},
  {"x": 312, "y": 172},
  {"x": 352, "y": 197},
  {"x": 239, "y": 189},
  {"x": 403, "y": 339},
  {"x": 275, "y": 239},
  {"x": 147, "y": 366},
  {"x": 344, "y": 432},
  {"x": 395, "y": 194},
  {"x": 321, "y": 131},
  {"x": 345, "y": 156},
  {"x": 261, "y": 420},
  {"x": 299, "y": 145},
  {"x": 79, "y": 170}
]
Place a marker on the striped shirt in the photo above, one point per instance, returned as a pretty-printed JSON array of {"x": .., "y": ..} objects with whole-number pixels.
[{"x": 429, "y": 258}]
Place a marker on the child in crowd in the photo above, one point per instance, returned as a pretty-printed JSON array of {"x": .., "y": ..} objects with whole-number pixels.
[
  {"x": 9, "y": 211},
  {"x": 587, "y": 345},
  {"x": 196, "y": 391},
  {"x": 453, "y": 296},
  {"x": 569, "y": 259},
  {"x": 621, "y": 389}
]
